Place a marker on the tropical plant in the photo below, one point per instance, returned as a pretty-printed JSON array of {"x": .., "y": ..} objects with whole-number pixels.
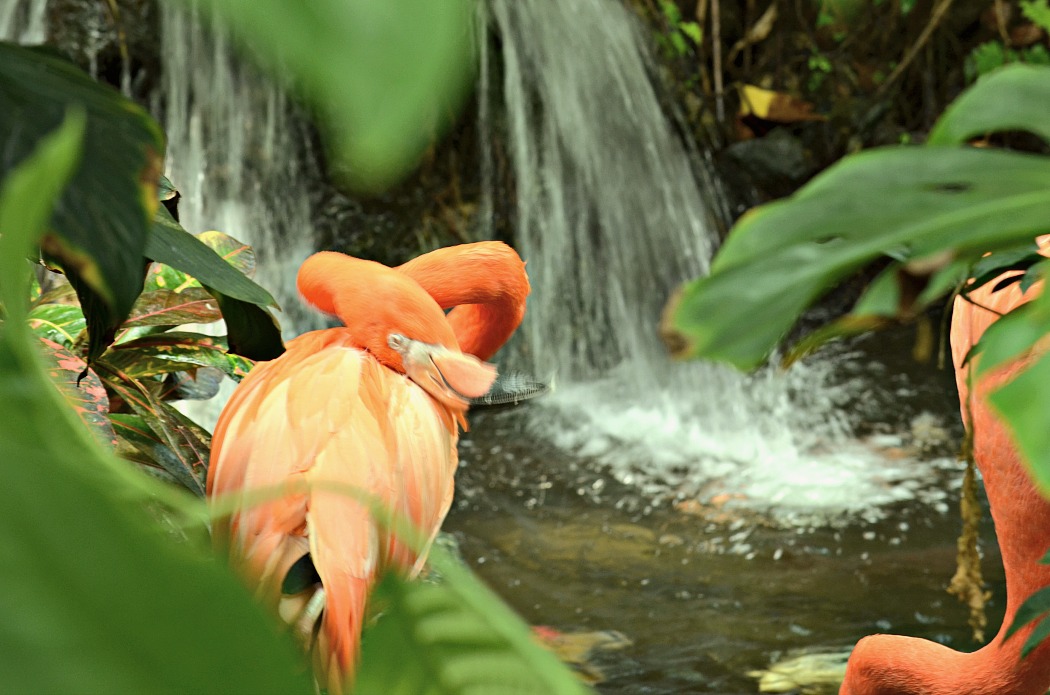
[{"x": 932, "y": 214}]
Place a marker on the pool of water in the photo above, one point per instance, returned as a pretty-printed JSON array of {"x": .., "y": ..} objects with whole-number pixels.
[{"x": 707, "y": 590}]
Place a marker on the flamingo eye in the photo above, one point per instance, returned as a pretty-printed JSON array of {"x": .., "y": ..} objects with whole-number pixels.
[{"x": 397, "y": 341}]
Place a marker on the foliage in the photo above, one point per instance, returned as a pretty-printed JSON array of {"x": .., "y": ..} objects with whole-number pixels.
[
  {"x": 679, "y": 34},
  {"x": 95, "y": 598},
  {"x": 463, "y": 638},
  {"x": 934, "y": 211},
  {"x": 994, "y": 54}
]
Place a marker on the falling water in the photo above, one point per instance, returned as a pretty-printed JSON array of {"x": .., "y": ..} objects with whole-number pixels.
[
  {"x": 23, "y": 21},
  {"x": 610, "y": 218},
  {"x": 234, "y": 152}
]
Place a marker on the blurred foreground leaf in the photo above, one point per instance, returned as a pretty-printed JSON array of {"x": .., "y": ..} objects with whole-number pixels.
[
  {"x": 462, "y": 638},
  {"x": 384, "y": 75},
  {"x": 94, "y": 597}
]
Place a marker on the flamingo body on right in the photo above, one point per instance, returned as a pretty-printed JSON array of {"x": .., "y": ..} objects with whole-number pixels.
[{"x": 897, "y": 665}]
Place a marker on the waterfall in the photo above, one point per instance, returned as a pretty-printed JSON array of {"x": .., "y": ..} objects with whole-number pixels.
[
  {"x": 235, "y": 153},
  {"x": 610, "y": 218},
  {"x": 23, "y": 21}
]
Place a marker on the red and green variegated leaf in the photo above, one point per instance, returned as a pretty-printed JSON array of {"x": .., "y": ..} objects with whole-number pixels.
[
  {"x": 138, "y": 443},
  {"x": 164, "y": 277},
  {"x": 187, "y": 441},
  {"x": 81, "y": 388},
  {"x": 58, "y": 292},
  {"x": 236, "y": 253},
  {"x": 197, "y": 385},
  {"x": 164, "y": 353},
  {"x": 170, "y": 308},
  {"x": 61, "y": 323}
]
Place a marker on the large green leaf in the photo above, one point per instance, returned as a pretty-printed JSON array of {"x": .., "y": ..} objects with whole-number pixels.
[
  {"x": 98, "y": 229},
  {"x": 1013, "y": 98},
  {"x": 385, "y": 75},
  {"x": 462, "y": 639},
  {"x": 251, "y": 329},
  {"x": 95, "y": 597},
  {"x": 172, "y": 245},
  {"x": 912, "y": 202}
]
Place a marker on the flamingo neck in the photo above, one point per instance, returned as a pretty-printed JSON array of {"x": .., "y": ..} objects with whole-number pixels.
[
  {"x": 893, "y": 665},
  {"x": 373, "y": 301},
  {"x": 485, "y": 286}
]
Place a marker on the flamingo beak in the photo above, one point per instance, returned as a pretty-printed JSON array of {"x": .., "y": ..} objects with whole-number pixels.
[{"x": 450, "y": 376}]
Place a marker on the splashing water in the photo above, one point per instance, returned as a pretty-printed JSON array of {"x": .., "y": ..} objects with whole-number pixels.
[{"x": 610, "y": 218}]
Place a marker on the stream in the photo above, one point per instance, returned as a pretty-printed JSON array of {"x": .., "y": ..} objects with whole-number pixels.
[{"x": 705, "y": 593}]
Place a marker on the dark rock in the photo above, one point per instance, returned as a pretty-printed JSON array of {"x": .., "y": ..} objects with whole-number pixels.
[
  {"x": 117, "y": 42},
  {"x": 774, "y": 165}
]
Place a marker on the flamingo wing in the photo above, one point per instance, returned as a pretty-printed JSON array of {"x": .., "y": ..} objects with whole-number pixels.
[{"x": 330, "y": 421}]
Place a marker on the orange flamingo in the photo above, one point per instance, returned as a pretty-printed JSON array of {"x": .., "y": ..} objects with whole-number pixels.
[
  {"x": 894, "y": 665},
  {"x": 375, "y": 405}
]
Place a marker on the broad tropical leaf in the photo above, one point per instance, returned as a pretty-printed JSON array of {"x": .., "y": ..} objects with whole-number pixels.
[
  {"x": 783, "y": 256},
  {"x": 168, "y": 308},
  {"x": 99, "y": 226},
  {"x": 62, "y": 323},
  {"x": 251, "y": 329},
  {"x": 172, "y": 245},
  {"x": 1013, "y": 98},
  {"x": 236, "y": 253},
  {"x": 124, "y": 609},
  {"x": 81, "y": 388},
  {"x": 462, "y": 637}
]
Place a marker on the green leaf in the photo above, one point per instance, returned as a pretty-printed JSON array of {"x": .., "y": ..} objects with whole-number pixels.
[
  {"x": 99, "y": 225},
  {"x": 463, "y": 639},
  {"x": 137, "y": 443},
  {"x": 188, "y": 442},
  {"x": 61, "y": 323},
  {"x": 693, "y": 31},
  {"x": 1034, "y": 607},
  {"x": 81, "y": 388},
  {"x": 168, "y": 308},
  {"x": 236, "y": 253},
  {"x": 1038, "y": 636},
  {"x": 384, "y": 76},
  {"x": 783, "y": 256},
  {"x": 102, "y": 600},
  {"x": 172, "y": 245},
  {"x": 1017, "y": 97},
  {"x": 251, "y": 331},
  {"x": 1038, "y": 12},
  {"x": 163, "y": 353}
]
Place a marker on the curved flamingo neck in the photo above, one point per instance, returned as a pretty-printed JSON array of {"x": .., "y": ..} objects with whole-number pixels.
[
  {"x": 483, "y": 283},
  {"x": 373, "y": 301}
]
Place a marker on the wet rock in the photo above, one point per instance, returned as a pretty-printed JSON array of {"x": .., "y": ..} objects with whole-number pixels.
[{"x": 773, "y": 166}]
